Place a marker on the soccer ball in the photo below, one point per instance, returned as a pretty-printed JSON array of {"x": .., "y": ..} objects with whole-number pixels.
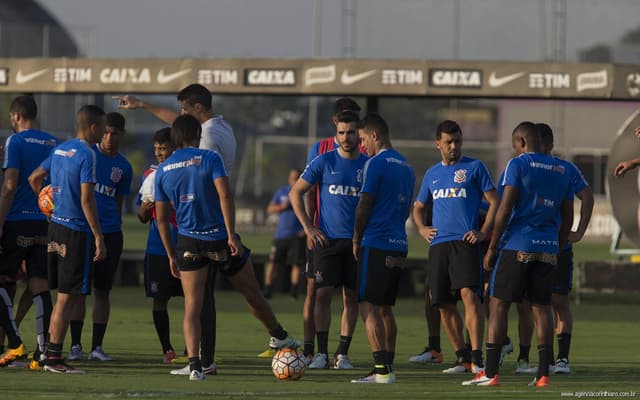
[
  {"x": 45, "y": 201},
  {"x": 288, "y": 364}
]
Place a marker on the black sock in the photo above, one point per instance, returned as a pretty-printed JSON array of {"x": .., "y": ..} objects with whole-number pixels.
[
  {"x": 463, "y": 355},
  {"x": 208, "y": 317},
  {"x": 279, "y": 333},
  {"x": 43, "y": 306},
  {"x": 524, "y": 353},
  {"x": 98, "y": 335},
  {"x": 6, "y": 320},
  {"x": 54, "y": 351},
  {"x": 564, "y": 342},
  {"x": 195, "y": 364},
  {"x": 343, "y": 345},
  {"x": 545, "y": 357},
  {"x": 161, "y": 323},
  {"x": 493, "y": 358},
  {"x": 476, "y": 358},
  {"x": 308, "y": 348},
  {"x": 380, "y": 359},
  {"x": 391, "y": 355},
  {"x": 76, "y": 331},
  {"x": 323, "y": 342},
  {"x": 468, "y": 346},
  {"x": 434, "y": 343},
  {"x": 268, "y": 290}
]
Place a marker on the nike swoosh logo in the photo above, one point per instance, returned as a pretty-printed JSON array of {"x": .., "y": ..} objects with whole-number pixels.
[
  {"x": 494, "y": 81},
  {"x": 24, "y": 78},
  {"x": 435, "y": 181},
  {"x": 347, "y": 79},
  {"x": 163, "y": 78},
  {"x": 334, "y": 172}
]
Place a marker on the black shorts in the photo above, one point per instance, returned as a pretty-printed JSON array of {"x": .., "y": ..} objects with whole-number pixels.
[
  {"x": 105, "y": 270},
  {"x": 158, "y": 281},
  {"x": 512, "y": 280},
  {"x": 290, "y": 251},
  {"x": 334, "y": 265},
  {"x": 562, "y": 276},
  {"x": 70, "y": 259},
  {"x": 207, "y": 253},
  {"x": 452, "y": 266},
  {"x": 379, "y": 274},
  {"x": 24, "y": 241}
]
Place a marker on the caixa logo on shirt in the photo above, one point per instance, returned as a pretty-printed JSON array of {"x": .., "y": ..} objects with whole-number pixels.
[
  {"x": 186, "y": 198},
  {"x": 450, "y": 193},
  {"x": 344, "y": 190}
]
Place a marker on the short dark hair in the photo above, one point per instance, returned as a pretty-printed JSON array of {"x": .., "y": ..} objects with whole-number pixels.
[
  {"x": 162, "y": 135},
  {"x": 345, "y": 104},
  {"x": 196, "y": 93},
  {"x": 546, "y": 133},
  {"x": 530, "y": 132},
  {"x": 25, "y": 106},
  {"x": 88, "y": 115},
  {"x": 116, "y": 120},
  {"x": 347, "y": 117},
  {"x": 185, "y": 130},
  {"x": 447, "y": 126},
  {"x": 374, "y": 122}
]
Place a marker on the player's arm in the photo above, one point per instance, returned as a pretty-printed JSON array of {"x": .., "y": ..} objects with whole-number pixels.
[
  {"x": 422, "y": 217},
  {"x": 586, "y": 209},
  {"x": 36, "y": 178},
  {"x": 315, "y": 237},
  {"x": 492, "y": 198},
  {"x": 7, "y": 193},
  {"x": 163, "y": 209},
  {"x": 509, "y": 198},
  {"x": 626, "y": 166},
  {"x": 144, "y": 211},
  {"x": 228, "y": 209},
  {"x": 90, "y": 210},
  {"x": 363, "y": 211},
  {"x": 566, "y": 214},
  {"x": 128, "y": 102},
  {"x": 274, "y": 207}
]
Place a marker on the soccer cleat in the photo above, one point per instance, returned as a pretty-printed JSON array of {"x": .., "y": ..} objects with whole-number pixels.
[
  {"x": 476, "y": 368},
  {"x": 76, "y": 353},
  {"x": 369, "y": 378},
  {"x": 268, "y": 353},
  {"x": 196, "y": 375},
  {"x": 458, "y": 368},
  {"x": 523, "y": 367},
  {"x": 482, "y": 380},
  {"x": 320, "y": 361},
  {"x": 34, "y": 365},
  {"x": 428, "y": 356},
  {"x": 100, "y": 355},
  {"x": 561, "y": 367},
  {"x": 210, "y": 370},
  {"x": 389, "y": 377},
  {"x": 11, "y": 355},
  {"x": 506, "y": 350},
  {"x": 540, "y": 382},
  {"x": 60, "y": 367},
  {"x": 308, "y": 359},
  {"x": 169, "y": 356},
  {"x": 341, "y": 361},
  {"x": 289, "y": 342}
]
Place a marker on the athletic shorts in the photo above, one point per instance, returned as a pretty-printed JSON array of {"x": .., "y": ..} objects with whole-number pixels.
[
  {"x": 452, "y": 266},
  {"x": 290, "y": 251},
  {"x": 514, "y": 281},
  {"x": 334, "y": 265},
  {"x": 158, "y": 281},
  {"x": 194, "y": 254},
  {"x": 24, "y": 241},
  {"x": 105, "y": 270},
  {"x": 70, "y": 259},
  {"x": 563, "y": 273},
  {"x": 379, "y": 274}
]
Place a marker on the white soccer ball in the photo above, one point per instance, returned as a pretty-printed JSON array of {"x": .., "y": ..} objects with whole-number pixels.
[{"x": 288, "y": 364}]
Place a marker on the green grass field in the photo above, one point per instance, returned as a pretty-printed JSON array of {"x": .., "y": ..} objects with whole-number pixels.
[{"x": 604, "y": 355}]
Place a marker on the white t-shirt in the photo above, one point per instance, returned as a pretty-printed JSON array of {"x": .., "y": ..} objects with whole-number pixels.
[{"x": 217, "y": 135}]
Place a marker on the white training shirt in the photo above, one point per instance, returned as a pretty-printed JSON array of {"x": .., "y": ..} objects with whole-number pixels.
[{"x": 217, "y": 135}]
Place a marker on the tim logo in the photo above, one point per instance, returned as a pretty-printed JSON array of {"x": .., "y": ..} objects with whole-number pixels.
[
  {"x": 65, "y": 153},
  {"x": 185, "y": 198},
  {"x": 460, "y": 176},
  {"x": 116, "y": 174}
]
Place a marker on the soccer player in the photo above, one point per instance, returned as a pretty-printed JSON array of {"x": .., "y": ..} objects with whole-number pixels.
[
  {"x": 380, "y": 242},
  {"x": 533, "y": 222},
  {"x": 114, "y": 175},
  {"x": 217, "y": 135},
  {"x": 75, "y": 238},
  {"x": 194, "y": 182},
  {"x": 455, "y": 188},
  {"x": 159, "y": 284},
  {"x": 289, "y": 243},
  {"x": 23, "y": 227},
  {"x": 312, "y": 206},
  {"x": 338, "y": 174}
]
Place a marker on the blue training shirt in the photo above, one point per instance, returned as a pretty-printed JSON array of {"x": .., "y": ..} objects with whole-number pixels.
[
  {"x": 456, "y": 192},
  {"x": 25, "y": 151},
  {"x": 543, "y": 183},
  {"x": 69, "y": 166},
  {"x": 339, "y": 181},
  {"x": 389, "y": 178},
  {"x": 114, "y": 175},
  {"x": 288, "y": 224},
  {"x": 185, "y": 179}
]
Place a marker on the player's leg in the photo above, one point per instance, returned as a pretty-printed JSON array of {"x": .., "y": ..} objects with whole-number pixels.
[
  {"x": 562, "y": 283},
  {"x": 432, "y": 353},
  {"x": 208, "y": 317},
  {"x": 193, "y": 286},
  {"x": 308, "y": 322},
  {"x": 349, "y": 315},
  {"x": 539, "y": 292},
  {"x": 525, "y": 333},
  {"x": 474, "y": 322}
]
